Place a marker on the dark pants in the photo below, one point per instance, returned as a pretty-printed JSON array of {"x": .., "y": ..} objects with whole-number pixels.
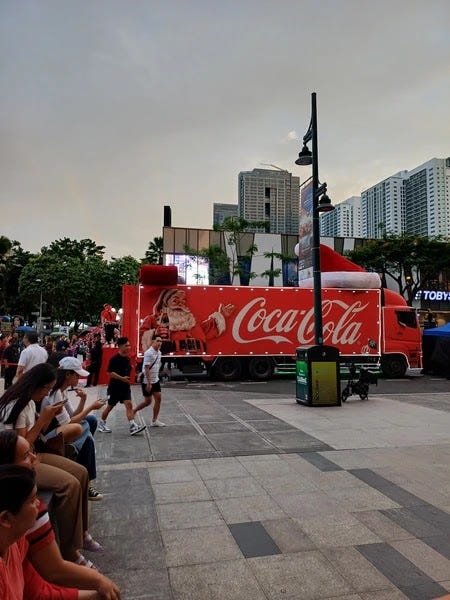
[
  {"x": 109, "y": 332},
  {"x": 10, "y": 373},
  {"x": 94, "y": 372},
  {"x": 86, "y": 454},
  {"x": 86, "y": 457}
]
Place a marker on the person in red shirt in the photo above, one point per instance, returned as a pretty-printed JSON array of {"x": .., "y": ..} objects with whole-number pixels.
[
  {"x": 18, "y": 512},
  {"x": 108, "y": 319},
  {"x": 43, "y": 552}
]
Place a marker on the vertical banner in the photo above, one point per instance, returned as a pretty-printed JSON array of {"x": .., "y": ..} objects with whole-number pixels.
[{"x": 305, "y": 232}]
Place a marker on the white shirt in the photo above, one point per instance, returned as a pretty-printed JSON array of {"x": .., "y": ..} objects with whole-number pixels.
[
  {"x": 31, "y": 356},
  {"x": 26, "y": 418},
  {"x": 64, "y": 415},
  {"x": 152, "y": 358}
]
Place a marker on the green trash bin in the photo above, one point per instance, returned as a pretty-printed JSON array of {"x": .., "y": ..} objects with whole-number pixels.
[{"x": 318, "y": 380}]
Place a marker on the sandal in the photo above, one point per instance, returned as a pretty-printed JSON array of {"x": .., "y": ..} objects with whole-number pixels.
[
  {"x": 90, "y": 544},
  {"x": 84, "y": 562}
]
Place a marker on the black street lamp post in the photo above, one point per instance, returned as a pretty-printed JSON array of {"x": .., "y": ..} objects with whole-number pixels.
[
  {"x": 39, "y": 325},
  {"x": 318, "y": 379},
  {"x": 320, "y": 203}
]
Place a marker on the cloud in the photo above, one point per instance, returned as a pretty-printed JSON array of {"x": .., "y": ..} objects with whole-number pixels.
[
  {"x": 290, "y": 137},
  {"x": 112, "y": 110}
]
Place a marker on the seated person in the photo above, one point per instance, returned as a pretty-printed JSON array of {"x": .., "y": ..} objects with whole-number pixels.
[
  {"x": 43, "y": 551},
  {"x": 18, "y": 512},
  {"x": 67, "y": 480},
  {"x": 68, "y": 374}
]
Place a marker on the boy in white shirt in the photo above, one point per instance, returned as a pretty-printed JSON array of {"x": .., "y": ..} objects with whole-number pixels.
[{"x": 151, "y": 386}]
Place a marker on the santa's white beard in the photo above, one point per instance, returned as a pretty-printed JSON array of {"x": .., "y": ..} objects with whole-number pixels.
[{"x": 180, "y": 319}]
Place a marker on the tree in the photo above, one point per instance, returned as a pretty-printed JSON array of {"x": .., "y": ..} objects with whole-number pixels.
[
  {"x": 14, "y": 263},
  {"x": 73, "y": 278},
  {"x": 154, "y": 254},
  {"x": 218, "y": 263},
  {"x": 80, "y": 249},
  {"x": 271, "y": 273},
  {"x": 121, "y": 271},
  {"x": 5, "y": 247},
  {"x": 409, "y": 260},
  {"x": 240, "y": 244}
]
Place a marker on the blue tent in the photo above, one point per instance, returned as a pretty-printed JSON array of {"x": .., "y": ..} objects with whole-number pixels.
[
  {"x": 443, "y": 331},
  {"x": 436, "y": 350}
]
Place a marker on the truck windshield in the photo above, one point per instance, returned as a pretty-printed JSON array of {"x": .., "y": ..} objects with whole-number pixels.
[{"x": 407, "y": 318}]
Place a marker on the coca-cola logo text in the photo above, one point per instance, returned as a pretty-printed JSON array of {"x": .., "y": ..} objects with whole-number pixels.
[{"x": 341, "y": 323}]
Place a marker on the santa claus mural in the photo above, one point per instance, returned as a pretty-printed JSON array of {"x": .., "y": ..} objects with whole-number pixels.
[{"x": 173, "y": 320}]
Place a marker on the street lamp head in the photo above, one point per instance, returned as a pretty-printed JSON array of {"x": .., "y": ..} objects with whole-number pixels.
[
  {"x": 305, "y": 157},
  {"x": 324, "y": 204}
]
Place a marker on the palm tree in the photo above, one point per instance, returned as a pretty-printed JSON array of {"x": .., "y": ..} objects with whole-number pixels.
[
  {"x": 272, "y": 273},
  {"x": 154, "y": 254}
]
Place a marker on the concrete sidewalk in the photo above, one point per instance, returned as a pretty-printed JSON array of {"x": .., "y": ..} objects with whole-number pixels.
[{"x": 247, "y": 497}]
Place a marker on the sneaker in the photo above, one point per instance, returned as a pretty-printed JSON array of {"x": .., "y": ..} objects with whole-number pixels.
[
  {"x": 158, "y": 423},
  {"x": 103, "y": 427},
  {"x": 93, "y": 494},
  {"x": 134, "y": 429}
]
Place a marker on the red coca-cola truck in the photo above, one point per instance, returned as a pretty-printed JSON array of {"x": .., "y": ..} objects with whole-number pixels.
[{"x": 238, "y": 331}]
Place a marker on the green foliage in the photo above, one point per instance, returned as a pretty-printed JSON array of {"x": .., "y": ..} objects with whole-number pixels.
[
  {"x": 272, "y": 273},
  {"x": 120, "y": 271},
  {"x": 75, "y": 280},
  {"x": 5, "y": 247},
  {"x": 409, "y": 260},
  {"x": 11, "y": 267},
  {"x": 154, "y": 253},
  {"x": 79, "y": 249},
  {"x": 218, "y": 261},
  {"x": 235, "y": 231}
]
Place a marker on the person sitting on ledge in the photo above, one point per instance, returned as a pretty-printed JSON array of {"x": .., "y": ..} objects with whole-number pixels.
[{"x": 43, "y": 551}]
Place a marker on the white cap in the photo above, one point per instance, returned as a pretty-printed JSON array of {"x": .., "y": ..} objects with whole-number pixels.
[{"x": 70, "y": 363}]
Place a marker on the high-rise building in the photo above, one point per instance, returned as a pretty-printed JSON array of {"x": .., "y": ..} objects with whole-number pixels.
[
  {"x": 427, "y": 200},
  {"x": 416, "y": 202},
  {"x": 223, "y": 211},
  {"x": 382, "y": 208},
  {"x": 344, "y": 220},
  {"x": 272, "y": 196}
]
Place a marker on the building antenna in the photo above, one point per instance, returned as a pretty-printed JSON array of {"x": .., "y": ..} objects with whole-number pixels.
[{"x": 274, "y": 166}]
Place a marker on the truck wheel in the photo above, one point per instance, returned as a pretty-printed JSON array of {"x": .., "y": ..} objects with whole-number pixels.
[
  {"x": 260, "y": 367},
  {"x": 227, "y": 368},
  {"x": 393, "y": 366}
]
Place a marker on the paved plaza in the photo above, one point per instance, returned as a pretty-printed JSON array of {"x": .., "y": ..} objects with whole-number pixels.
[{"x": 245, "y": 496}]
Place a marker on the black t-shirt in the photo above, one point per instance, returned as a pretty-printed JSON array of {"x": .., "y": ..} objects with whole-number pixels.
[
  {"x": 122, "y": 366},
  {"x": 11, "y": 353},
  {"x": 62, "y": 345},
  {"x": 97, "y": 353}
]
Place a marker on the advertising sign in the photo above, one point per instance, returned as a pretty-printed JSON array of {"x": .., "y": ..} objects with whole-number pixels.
[
  {"x": 305, "y": 232},
  {"x": 243, "y": 320},
  {"x": 302, "y": 386}
]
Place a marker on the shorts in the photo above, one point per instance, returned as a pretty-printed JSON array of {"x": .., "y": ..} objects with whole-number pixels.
[
  {"x": 116, "y": 397},
  {"x": 156, "y": 387}
]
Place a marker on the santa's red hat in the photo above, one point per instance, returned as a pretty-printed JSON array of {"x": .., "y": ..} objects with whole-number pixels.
[{"x": 340, "y": 272}]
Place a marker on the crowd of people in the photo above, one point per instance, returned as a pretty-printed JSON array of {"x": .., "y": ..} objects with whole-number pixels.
[{"x": 47, "y": 447}]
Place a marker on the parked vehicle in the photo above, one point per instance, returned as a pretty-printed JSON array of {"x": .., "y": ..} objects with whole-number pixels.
[{"x": 236, "y": 331}]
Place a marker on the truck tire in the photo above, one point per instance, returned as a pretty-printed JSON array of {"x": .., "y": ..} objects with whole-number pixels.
[
  {"x": 227, "y": 368},
  {"x": 393, "y": 366},
  {"x": 260, "y": 367}
]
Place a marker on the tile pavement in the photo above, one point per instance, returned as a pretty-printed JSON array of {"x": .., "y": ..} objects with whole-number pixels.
[{"x": 247, "y": 497}]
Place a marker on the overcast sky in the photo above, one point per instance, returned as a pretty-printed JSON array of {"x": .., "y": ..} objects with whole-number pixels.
[{"x": 111, "y": 109}]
